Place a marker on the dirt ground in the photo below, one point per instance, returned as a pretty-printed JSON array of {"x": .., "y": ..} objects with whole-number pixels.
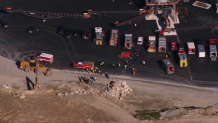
[{"x": 45, "y": 106}]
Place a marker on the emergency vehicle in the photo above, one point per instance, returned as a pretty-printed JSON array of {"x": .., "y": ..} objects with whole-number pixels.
[
  {"x": 140, "y": 40},
  {"x": 44, "y": 57},
  {"x": 152, "y": 44},
  {"x": 183, "y": 62},
  {"x": 161, "y": 34},
  {"x": 201, "y": 50},
  {"x": 173, "y": 45},
  {"x": 98, "y": 36},
  {"x": 114, "y": 37},
  {"x": 83, "y": 64},
  {"x": 162, "y": 45},
  {"x": 168, "y": 66},
  {"x": 191, "y": 47},
  {"x": 128, "y": 41},
  {"x": 213, "y": 50}
]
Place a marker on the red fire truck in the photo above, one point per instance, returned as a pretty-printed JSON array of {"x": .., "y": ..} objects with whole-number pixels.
[
  {"x": 44, "y": 57},
  {"x": 173, "y": 45},
  {"x": 83, "y": 64}
]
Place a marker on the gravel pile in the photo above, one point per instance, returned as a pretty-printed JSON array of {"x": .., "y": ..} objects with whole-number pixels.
[{"x": 118, "y": 89}]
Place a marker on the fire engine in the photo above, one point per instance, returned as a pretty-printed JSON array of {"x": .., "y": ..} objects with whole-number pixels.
[
  {"x": 173, "y": 45},
  {"x": 114, "y": 37},
  {"x": 213, "y": 50},
  {"x": 44, "y": 57},
  {"x": 168, "y": 66},
  {"x": 128, "y": 41},
  {"x": 152, "y": 44},
  {"x": 182, "y": 58},
  {"x": 191, "y": 48},
  {"x": 162, "y": 43},
  {"x": 83, "y": 64}
]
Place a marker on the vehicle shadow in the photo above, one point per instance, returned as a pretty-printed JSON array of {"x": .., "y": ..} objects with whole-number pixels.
[
  {"x": 122, "y": 40},
  {"x": 92, "y": 32},
  {"x": 107, "y": 37},
  {"x": 18, "y": 64},
  {"x": 160, "y": 63},
  {"x": 30, "y": 84}
]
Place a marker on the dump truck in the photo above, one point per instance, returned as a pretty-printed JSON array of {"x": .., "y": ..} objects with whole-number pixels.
[
  {"x": 183, "y": 62},
  {"x": 213, "y": 50},
  {"x": 33, "y": 66},
  {"x": 114, "y": 37}
]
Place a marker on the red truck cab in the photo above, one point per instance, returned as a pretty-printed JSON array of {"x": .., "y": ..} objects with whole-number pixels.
[
  {"x": 211, "y": 42},
  {"x": 83, "y": 65},
  {"x": 161, "y": 34},
  {"x": 173, "y": 45}
]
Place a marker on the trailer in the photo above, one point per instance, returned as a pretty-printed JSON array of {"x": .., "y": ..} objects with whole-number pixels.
[
  {"x": 162, "y": 45},
  {"x": 173, "y": 45},
  {"x": 213, "y": 50},
  {"x": 191, "y": 48},
  {"x": 201, "y": 51},
  {"x": 152, "y": 44},
  {"x": 183, "y": 62},
  {"x": 114, "y": 37},
  {"x": 98, "y": 36},
  {"x": 168, "y": 66},
  {"x": 128, "y": 41}
]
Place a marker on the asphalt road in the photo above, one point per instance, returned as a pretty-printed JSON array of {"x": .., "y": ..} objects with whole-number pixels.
[{"x": 16, "y": 44}]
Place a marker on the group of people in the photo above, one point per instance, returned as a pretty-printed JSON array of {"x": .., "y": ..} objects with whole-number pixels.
[{"x": 87, "y": 79}]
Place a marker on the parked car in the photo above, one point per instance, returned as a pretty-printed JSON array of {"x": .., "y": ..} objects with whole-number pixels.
[
  {"x": 61, "y": 30},
  {"x": 4, "y": 24},
  {"x": 32, "y": 29},
  {"x": 68, "y": 33}
]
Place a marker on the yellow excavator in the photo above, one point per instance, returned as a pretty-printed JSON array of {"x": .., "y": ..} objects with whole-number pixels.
[{"x": 33, "y": 66}]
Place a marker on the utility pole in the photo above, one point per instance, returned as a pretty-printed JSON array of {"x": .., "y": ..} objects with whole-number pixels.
[{"x": 36, "y": 83}]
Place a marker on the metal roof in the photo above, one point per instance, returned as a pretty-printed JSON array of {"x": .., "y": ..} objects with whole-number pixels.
[
  {"x": 213, "y": 48},
  {"x": 182, "y": 56},
  {"x": 191, "y": 44},
  {"x": 98, "y": 29},
  {"x": 114, "y": 31},
  {"x": 168, "y": 63},
  {"x": 46, "y": 55},
  {"x": 151, "y": 38},
  {"x": 99, "y": 36},
  {"x": 201, "y": 48},
  {"x": 128, "y": 38}
]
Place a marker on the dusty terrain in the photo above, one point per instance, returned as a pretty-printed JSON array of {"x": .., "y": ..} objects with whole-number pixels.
[{"x": 44, "y": 105}]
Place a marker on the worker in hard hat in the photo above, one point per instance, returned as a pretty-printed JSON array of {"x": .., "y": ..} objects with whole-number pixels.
[
  {"x": 166, "y": 56},
  {"x": 125, "y": 66},
  {"x": 143, "y": 62},
  {"x": 118, "y": 64}
]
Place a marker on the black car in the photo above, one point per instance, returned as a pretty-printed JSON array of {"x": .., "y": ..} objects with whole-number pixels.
[
  {"x": 4, "y": 24},
  {"x": 32, "y": 29},
  {"x": 68, "y": 33},
  {"x": 61, "y": 30}
]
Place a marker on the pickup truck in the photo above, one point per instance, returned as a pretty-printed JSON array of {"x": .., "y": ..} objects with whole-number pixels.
[{"x": 83, "y": 64}]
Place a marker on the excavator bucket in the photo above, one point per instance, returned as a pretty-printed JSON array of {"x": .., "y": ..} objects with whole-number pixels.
[{"x": 49, "y": 72}]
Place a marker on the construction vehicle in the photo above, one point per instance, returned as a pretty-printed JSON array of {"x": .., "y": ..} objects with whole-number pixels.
[
  {"x": 98, "y": 36},
  {"x": 213, "y": 50},
  {"x": 152, "y": 44},
  {"x": 114, "y": 37},
  {"x": 33, "y": 66},
  {"x": 191, "y": 47},
  {"x": 168, "y": 66},
  {"x": 128, "y": 41},
  {"x": 183, "y": 62}
]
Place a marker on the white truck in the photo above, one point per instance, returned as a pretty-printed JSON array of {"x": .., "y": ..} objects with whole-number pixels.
[
  {"x": 191, "y": 48},
  {"x": 140, "y": 40},
  {"x": 128, "y": 41}
]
